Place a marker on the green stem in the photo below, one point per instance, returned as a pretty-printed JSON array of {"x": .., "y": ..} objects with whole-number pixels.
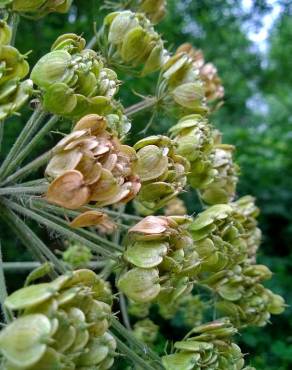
[
  {"x": 124, "y": 311},
  {"x": 141, "y": 106},
  {"x": 30, "y": 146},
  {"x": 24, "y": 190},
  {"x": 125, "y": 216},
  {"x": 136, "y": 359},
  {"x": 14, "y": 26},
  {"x": 93, "y": 236},
  {"x": 28, "y": 169},
  {"x": 29, "y": 238},
  {"x": 34, "y": 121},
  {"x": 92, "y": 43},
  {"x": 61, "y": 227},
  {"x": 1, "y": 133},
  {"x": 36, "y": 182},
  {"x": 136, "y": 344},
  {"x": 3, "y": 290},
  {"x": 42, "y": 204},
  {"x": 29, "y": 266},
  {"x": 106, "y": 272}
]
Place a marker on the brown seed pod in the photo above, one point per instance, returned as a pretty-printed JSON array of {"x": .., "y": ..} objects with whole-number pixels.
[{"x": 68, "y": 190}]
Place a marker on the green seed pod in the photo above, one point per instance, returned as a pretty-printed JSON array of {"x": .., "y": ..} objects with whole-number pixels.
[
  {"x": 121, "y": 24},
  {"x": 222, "y": 188},
  {"x": 23, "y": 342},
  {"x": 154, "y": 9},
  {"x": 146, "y": 254},
  {"x": 5, "y": 33},
  {"x": 161, "y": 170},
  {"x": 40, "y": 8},
  {"x": 69, "y": 42},
  {"x": 59, "y": 99},
  {"x": 140, "y": 285},
  {"x": 27, "y": 5},
  {"x": 51, "y": 68},
  {"x": 189, "y": 95},
  {"x": 134, "y": 39}
]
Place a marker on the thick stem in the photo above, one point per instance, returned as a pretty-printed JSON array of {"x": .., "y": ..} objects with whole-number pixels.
[
  {"x": 62, "y": 228},
  {"x": 141, "y": 106},
  {"x": 24, "y": 190},
  {"x": 131, "y": 355},
  {"x": 28, "y": 169},
  {"x": 29, "y": 266},
  {"x": 136, "y": 344},
  {"x": 30, "y": 239},
  {"x": 30, "y": 146},
  {"x": 22, "y": 139}
]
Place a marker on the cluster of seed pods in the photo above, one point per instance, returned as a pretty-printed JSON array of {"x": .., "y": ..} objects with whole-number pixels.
[
  {"x": 91, "y": 165},
  {"x": 212, "y": 170},
  {"x": 155, "y": 10},
  {"x": 162, "y": 260},
  {"x": 60, "y": 325},
  {"x": 161, "y": 170},
  {"x": 208, "y": 346},
  {"x": 134, "y": 40},
  {"x": 214, "y": 90},
  {"x": 185, "y": 90},
  {"x": 73, "y": 80},
  {"x": 38, "y": 8},
  {"x": 226, "y": 239},
  {"x": 14, "y": 92},
  {"x": 195, "y": 142}
]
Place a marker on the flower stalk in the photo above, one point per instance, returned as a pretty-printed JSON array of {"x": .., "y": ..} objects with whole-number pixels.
[
  {"x": 31, "y": 145},
  {"x": 28, "y": 169},
  {"x": 143, "y": 105},
  {"x": 38, "y": 249},
  {"x": 58, "y": 225},
  {"x": 23, "y": 138}
]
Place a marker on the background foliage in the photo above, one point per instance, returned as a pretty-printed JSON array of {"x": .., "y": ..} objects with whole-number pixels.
[{"x": 256, "y": 117}]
